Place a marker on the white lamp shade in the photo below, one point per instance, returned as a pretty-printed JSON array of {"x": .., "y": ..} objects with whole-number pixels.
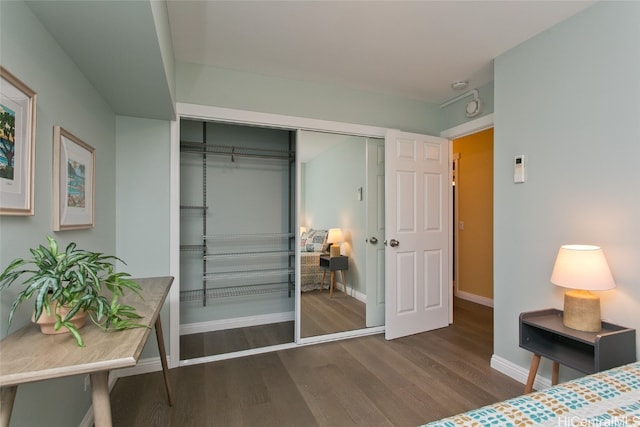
[
  {"x": 582, "y": 267},
  {"x": 335, "y": 236}
]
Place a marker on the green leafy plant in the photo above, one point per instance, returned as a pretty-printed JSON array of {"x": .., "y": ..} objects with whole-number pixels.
[{"x": 77, "y": 279}]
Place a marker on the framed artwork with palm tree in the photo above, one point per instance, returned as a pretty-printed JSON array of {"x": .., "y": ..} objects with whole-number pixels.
[
  {"x": 17, "y": 145},
  {"x": 73, "y": 181}
]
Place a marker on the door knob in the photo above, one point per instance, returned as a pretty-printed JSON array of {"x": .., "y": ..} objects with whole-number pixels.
[
  {"x": 373, "y": 240},
  {"x": 393, "y": 243}
]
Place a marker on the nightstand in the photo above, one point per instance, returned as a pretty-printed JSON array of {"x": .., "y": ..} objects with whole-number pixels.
[
  {"x": 543, "y": 333},
  {"x": 333, "y": 264}
]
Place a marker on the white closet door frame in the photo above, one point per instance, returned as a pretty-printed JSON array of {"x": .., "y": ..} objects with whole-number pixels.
[{"x": 228, "y": 115}]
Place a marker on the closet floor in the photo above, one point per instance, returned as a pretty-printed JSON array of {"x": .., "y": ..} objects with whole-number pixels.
[
  {"x": 232, "y": 340},
  {"x": 321, "y": 315}
]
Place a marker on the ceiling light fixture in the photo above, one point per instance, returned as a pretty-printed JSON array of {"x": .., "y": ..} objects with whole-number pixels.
[{"x": 459, "y": 85}]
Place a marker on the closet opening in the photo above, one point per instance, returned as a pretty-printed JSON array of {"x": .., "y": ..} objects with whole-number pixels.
[{"x": 237, "y": 239}]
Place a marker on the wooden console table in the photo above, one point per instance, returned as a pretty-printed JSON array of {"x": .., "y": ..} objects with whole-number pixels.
[{"x": 28, "y": 356}]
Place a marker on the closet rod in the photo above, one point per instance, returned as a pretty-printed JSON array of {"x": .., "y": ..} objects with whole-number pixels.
[
  {"x": 248, "y": 236},
  {"x": 234, "y": 151}
]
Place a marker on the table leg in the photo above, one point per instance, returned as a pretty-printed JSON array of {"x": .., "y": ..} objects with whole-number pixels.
[
  {"x": 333, "y": 281},
  {"x": 554, "y": 373},
  {"x": 7, "y": 397},
  {"x": 324, "y": 274},
  {"x": 100, "y": 398},
  {"x": 163, "y": 360},
  {"x": 535, "y": 362}
]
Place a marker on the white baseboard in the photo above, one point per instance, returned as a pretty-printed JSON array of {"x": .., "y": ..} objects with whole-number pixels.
[
  {"x": 475, "y": 298},
  {"x": 351, "y": 292},
  {"x": 518, "y": 373},
  {"x": 239, "y": 322}
]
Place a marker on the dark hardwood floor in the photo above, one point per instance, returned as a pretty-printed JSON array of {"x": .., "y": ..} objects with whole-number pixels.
[{"x": 363, "y": 381}]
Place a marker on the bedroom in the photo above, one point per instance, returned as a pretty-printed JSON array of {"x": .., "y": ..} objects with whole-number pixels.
[{"x": 558, "y": 97}]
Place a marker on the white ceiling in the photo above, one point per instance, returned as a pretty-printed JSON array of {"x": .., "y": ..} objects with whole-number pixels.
[{"x": 409, "y": 49}]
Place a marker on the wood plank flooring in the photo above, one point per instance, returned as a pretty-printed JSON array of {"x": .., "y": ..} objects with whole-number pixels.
[
  {"x": 320, "y": 315},
  {"x": 231, "y": 340},
  {"x": 363, "y": 381},
  {"x": 323, "y": 315}
]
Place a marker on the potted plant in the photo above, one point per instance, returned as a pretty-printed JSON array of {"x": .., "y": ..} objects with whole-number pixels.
[{"x": 69, "y": 283}]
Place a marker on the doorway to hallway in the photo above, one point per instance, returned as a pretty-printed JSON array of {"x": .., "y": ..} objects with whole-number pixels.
[{"x": 473, "y": 216}]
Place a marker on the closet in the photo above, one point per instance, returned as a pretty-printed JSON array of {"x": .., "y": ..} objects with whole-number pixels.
[{"x": 237, "y": 239}]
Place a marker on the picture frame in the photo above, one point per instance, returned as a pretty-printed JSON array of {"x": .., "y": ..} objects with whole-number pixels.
[
  {"x": 73, "y": 181},
  {"x": 17, "y": 145}
]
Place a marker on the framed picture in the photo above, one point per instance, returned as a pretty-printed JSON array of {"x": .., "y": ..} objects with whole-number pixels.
[
  {"x": 17, "y": 142},
  {"x": 73, "y": 181}
]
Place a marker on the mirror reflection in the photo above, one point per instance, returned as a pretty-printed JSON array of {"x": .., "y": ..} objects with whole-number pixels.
[{"x": 334, "y": 218}]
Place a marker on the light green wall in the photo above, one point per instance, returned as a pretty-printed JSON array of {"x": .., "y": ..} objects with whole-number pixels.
[
  {"x": 142, "y": 213},
  {"x": 203, "y": 85},
  {"x": 568, "y": 101},
  {"x": 197, "y": 84},
  {"x": 65, "y": 98}
]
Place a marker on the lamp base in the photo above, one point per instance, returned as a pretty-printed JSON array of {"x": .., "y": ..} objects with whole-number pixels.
[
  {"x": 334, "y": 250},
  {"x": 582, "y": 311}
]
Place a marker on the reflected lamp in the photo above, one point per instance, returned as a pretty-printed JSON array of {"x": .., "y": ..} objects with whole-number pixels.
[{"x": 335, "y": 237}]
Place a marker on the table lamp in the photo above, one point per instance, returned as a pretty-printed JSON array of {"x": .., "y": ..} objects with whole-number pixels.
[
  {"x": 582, "y": 268},
  {"x": 335, "y": 237}
]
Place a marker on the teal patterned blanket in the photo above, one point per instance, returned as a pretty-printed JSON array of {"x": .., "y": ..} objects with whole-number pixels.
[{"x": 609, "y": 398}]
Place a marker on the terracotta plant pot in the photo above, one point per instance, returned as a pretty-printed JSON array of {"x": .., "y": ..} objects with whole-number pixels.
[{"x": 47, "y": 322}]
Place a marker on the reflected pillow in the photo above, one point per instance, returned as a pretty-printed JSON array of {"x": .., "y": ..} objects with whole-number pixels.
[{"x": 314, "y": 241}]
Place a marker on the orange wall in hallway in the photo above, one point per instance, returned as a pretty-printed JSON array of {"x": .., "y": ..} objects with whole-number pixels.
[{"x": 474, "y": 188}]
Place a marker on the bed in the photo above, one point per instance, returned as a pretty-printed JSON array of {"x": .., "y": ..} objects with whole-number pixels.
[
  {"x": 608, "y": 398},
  {"x": 313, "y": 243}
]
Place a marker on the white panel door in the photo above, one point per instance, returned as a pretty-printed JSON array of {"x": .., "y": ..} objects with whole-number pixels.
[
  {"x": 416, "y": 225},
  {"x": 374, "y": 201}
]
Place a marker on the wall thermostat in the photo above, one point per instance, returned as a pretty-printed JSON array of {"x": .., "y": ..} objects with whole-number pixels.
[{"x": 518, "y": 169}]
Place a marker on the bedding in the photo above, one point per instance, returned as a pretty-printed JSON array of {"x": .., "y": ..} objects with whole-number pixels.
[
  {"x": 313, "y": 243},
  {"x": 310, "y": 271},
  {"x": 608, "y": 398}
]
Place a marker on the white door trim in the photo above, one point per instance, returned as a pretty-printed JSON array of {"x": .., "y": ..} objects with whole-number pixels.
[
  {"x": 230, "y": 115},
  {"x": 472, "y": 126}
]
